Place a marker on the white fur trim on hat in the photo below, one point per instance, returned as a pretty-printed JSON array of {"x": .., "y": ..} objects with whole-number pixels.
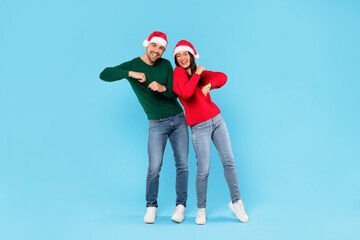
[
  {"x": 155, "y": 40},
  {"x": 185, "y": 48}
]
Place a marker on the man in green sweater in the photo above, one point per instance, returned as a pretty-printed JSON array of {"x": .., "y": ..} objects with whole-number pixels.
[{"x": 151, "y": 78}]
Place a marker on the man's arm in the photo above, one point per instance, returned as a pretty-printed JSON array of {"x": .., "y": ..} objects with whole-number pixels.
[
  {"x": 119, "y": 72},
  {"x": 167, "y": 88},
  {"x": 169, "y": 92}
]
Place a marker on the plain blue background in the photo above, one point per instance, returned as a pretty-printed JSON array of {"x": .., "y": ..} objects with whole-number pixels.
[{"x": 73, "y": 156}]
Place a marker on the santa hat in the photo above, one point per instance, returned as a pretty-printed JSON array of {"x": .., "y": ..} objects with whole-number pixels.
[
  {"x": 156, "y": 37},
  {"x": 185, "y": 46}
]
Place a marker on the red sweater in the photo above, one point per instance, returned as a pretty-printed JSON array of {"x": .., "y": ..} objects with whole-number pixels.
[{"x": 198, "y": 108}]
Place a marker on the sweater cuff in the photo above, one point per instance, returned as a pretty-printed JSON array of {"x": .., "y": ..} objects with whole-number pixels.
[
  {"x": 213, "y": 86},
  {"x": 168, "y": 93}
]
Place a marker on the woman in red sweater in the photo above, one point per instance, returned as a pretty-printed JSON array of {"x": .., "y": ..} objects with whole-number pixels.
[{"x": 192, "y": 85}]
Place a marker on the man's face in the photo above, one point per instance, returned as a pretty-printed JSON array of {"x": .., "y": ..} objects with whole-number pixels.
[{"x": 154, "y": 51}]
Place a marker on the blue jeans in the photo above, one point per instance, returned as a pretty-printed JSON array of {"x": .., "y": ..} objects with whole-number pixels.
[
  {"x": 176, "y": 129},
  {"x": 202, "y": 133}
]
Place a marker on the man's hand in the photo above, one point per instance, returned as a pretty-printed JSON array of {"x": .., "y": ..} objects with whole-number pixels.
[
  {"x": 138, "y": 75},
  {"x": 157, "y": 87},
  {"x": 206, "y": 89}
]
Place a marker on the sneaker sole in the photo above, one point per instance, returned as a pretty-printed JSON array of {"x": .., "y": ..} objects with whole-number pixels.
[
  {"x": 239, "y": 218},
  {"x": 149, "y": 222},
  {"x": 177, "y": 220},
  {"x": 200, "y": 223}
]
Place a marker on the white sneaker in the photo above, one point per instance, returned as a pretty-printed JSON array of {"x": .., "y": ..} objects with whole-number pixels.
[
  {"x": 150, "y": 215},
  {"x": 201, "y": 216},
  {"x": 178, "y": 215},
  {"x": 239, "y": 210}
]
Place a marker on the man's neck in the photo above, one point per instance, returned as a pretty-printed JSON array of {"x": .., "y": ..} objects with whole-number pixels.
[{"x": 146, "y": 60}]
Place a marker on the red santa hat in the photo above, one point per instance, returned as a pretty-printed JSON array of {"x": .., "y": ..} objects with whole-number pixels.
[
  {"x": 156, "y": 37},
  {"x": 184, "y": 45}
]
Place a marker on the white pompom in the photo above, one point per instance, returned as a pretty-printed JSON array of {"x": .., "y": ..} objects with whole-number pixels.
[{"x": 146, "y": 43}]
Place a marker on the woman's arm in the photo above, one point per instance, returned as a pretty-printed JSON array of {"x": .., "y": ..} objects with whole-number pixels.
[
  {"x": 183, "y": 86},
  {"x": 216, "y": 79}
]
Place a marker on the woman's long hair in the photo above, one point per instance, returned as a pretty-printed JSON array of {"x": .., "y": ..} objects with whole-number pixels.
[{"x": 192, "y": 66}]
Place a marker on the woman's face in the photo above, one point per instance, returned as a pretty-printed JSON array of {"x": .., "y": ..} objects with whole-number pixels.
[{"x": 183, "y": 59}]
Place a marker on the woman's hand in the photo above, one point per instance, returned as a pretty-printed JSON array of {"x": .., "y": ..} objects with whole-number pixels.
[
  {"x": 199, "y": 69},
  {"x": 206, "y": 89}
]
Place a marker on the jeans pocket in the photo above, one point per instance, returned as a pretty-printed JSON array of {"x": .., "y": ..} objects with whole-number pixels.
[
  {"x": 153, "y": 123},
  {"x": 193, "y": 128},
  {"x": 199, "y": 126}
]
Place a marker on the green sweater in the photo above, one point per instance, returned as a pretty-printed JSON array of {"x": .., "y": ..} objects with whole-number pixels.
[{"x": 155, "y": 104}]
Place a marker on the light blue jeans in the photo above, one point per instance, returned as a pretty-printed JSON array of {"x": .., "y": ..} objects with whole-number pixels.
[
  {"x": 202, "y": 133},
  {"x": 176, "y": 129}
]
